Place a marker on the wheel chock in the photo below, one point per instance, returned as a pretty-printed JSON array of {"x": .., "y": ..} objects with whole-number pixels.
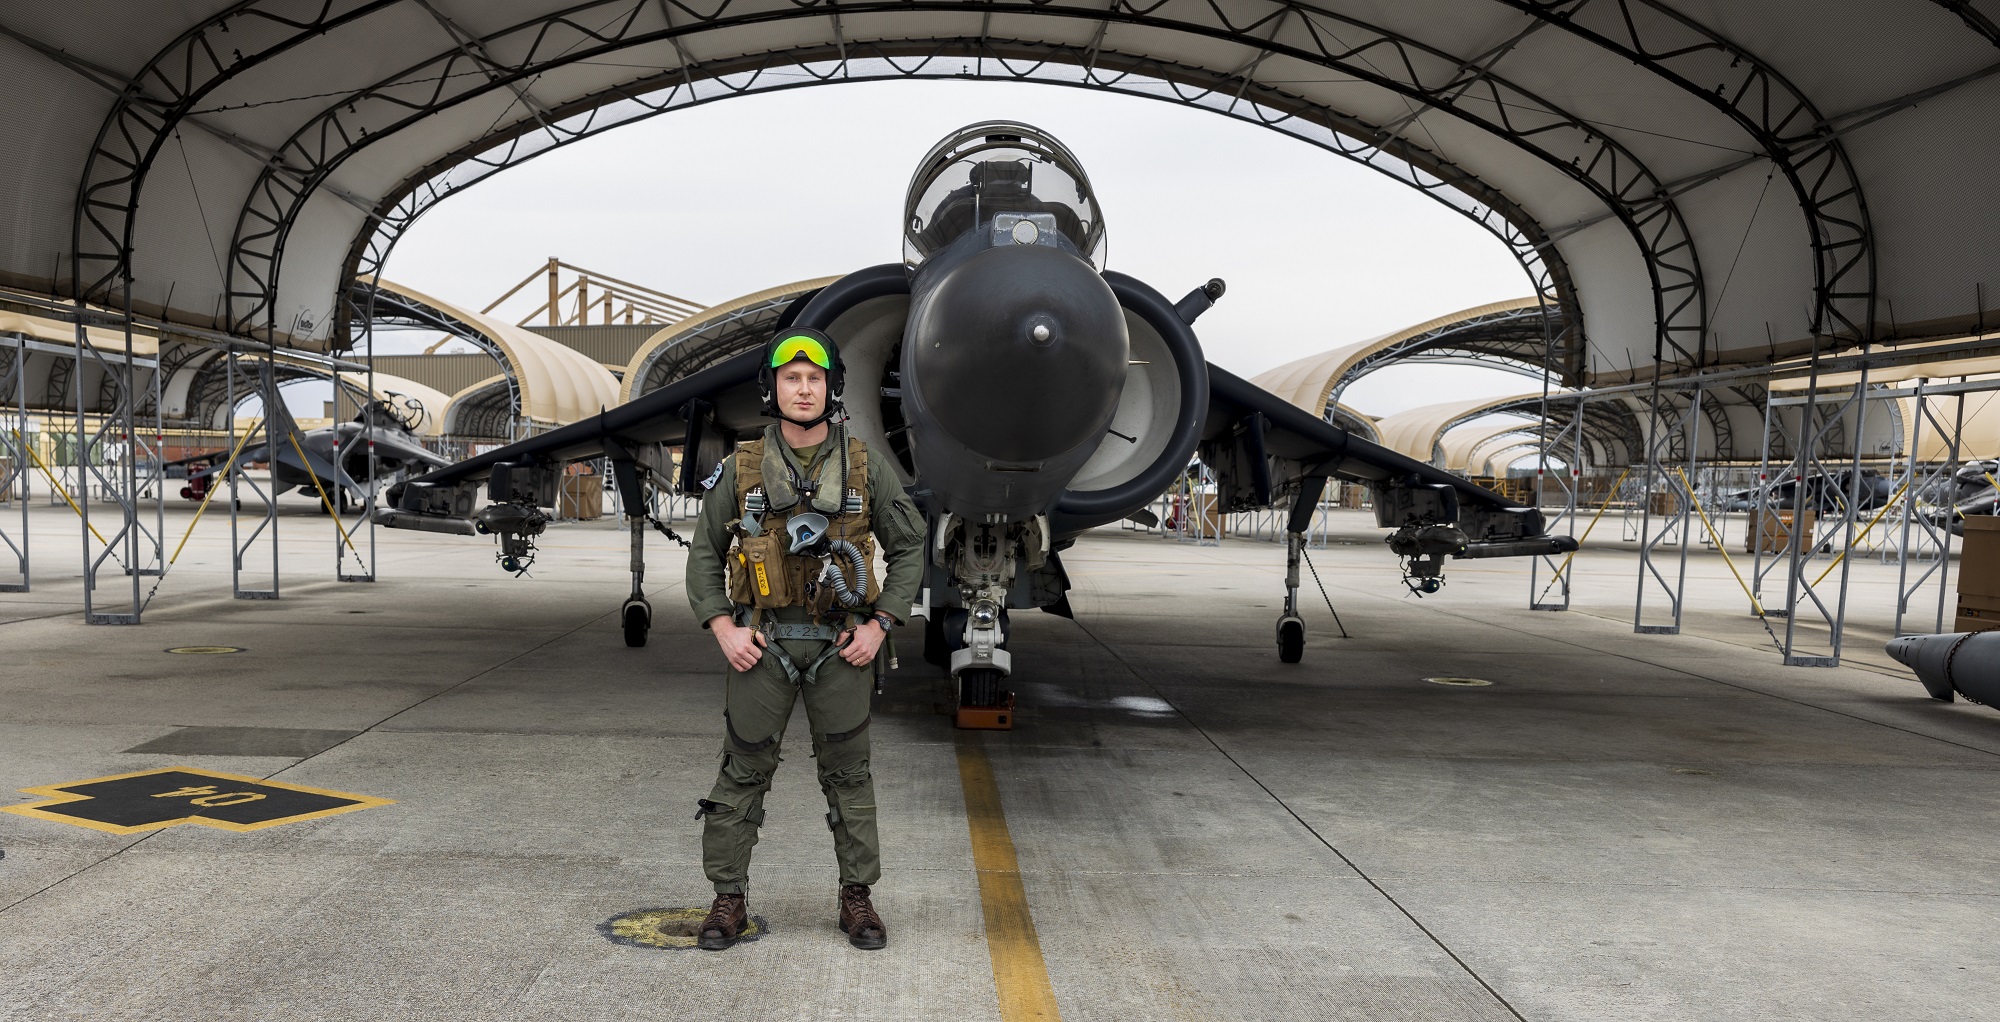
[{"x": 987, "y": 718}]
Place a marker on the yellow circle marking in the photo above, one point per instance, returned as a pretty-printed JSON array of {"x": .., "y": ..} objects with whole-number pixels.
[
  {"x": 1460, "y": 682},
  {"x": 206, "y": 650},
  {"x": 671, "y": 929}
]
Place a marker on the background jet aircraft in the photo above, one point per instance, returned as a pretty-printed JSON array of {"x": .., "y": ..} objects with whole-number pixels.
[
  {"x": 1027, "y": 395},
  {"x": 338, "y": 455}
]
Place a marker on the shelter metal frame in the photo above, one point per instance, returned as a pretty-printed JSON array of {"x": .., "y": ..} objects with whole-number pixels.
[
  {"x": 1790, "y": 130},
  {"x": 1919, "y": 477},
  {"x": 1661, "y": 436},
  {"x": 108, "y": 197},
  {"x": 1093, "y": 68},
  {"x": 14, "y": 475},
  {"x": 1569, "y": 481},
  {"x": 710, "y": 343},
  {"x": 122, "y": 482},
  {"x": 383, "y": 306},
  {"x": 1817, "y": 441},
  {"x": 264, "y": 383},
  {"x": 1522, "y": 341}
]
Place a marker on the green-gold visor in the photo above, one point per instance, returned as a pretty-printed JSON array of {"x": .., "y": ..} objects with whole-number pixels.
[{"x": 792, "y": 348}]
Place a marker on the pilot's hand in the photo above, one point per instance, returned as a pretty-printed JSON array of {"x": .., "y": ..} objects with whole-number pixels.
[
  {"x": 862, "y": 643},
  {"x": 741, "y": 646}
]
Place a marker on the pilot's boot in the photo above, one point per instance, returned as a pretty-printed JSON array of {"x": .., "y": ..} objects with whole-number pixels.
[
  {"x": 858, "y": 920},
  {"x": 725, "y": 922}
]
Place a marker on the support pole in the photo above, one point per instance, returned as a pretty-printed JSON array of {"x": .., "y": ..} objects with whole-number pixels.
[
  {"x": 241, "y": 545},
  {"x": 14, "y": 445}
]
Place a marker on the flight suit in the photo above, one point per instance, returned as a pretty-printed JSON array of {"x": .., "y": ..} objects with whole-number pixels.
[{"x": 758, "y": 702}]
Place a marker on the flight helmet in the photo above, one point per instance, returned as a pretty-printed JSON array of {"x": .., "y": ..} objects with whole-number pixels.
[{"x": 790, "y": 345}]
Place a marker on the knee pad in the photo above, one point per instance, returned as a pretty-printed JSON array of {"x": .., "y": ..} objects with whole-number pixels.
[{"x": 747, "y": 773}]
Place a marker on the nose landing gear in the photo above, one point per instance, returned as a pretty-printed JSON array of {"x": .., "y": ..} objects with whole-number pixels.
[{"x": 981, "y": 666}]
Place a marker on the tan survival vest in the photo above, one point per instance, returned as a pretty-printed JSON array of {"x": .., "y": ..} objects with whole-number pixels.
[{"x": 762, "y": 574}]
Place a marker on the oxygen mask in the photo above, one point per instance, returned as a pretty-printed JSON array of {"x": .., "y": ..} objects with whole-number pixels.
[{"x": 807, "y": 531}]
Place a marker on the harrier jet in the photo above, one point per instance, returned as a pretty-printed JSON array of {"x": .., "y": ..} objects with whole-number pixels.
[
  {"x": 1028, "y": 395},
  {"x": 339, "y": 455}
]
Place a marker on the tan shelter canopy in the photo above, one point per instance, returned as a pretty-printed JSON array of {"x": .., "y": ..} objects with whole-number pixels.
[
  {"x": 709, "y": 336},
  {"x": 1418, "y": 431},
  {"x": 557, "y": 384},
  {"x": 1310, "y": 382},
  {"x": 55, "y": 331}
]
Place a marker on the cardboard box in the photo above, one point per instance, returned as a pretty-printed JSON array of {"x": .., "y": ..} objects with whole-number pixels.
[
  {"x": 1773, "y": 535},
  {"x": 1977, "y": 613},
  {"x": 582, "y": 497},
  {"x": 1663, "y": 503},
  {"x": 1979, "y": 561}
]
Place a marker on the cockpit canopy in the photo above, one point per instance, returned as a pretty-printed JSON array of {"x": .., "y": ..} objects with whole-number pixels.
[{"x": 994, "y": 168}]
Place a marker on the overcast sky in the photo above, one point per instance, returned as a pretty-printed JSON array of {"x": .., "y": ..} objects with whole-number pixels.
[{"x": 718, "y": 201}]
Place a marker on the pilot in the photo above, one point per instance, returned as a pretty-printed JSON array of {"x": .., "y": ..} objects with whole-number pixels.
[{"x": 781, "y": 572}]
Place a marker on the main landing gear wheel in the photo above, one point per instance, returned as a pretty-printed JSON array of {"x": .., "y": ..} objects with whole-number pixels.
[
  {"x": 1291, "y": 640},
  {"x": 638, "y": 619}
]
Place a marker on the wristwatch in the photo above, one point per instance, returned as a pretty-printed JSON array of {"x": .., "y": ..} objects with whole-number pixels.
[{"x": 885, "y": 621}]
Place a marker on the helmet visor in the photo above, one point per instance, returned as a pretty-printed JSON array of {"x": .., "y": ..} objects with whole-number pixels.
[{"x": 801, "y": 346}]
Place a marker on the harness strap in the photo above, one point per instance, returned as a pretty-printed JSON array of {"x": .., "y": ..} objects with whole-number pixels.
[
  {"x": 783, "y": 630},
  {"x": 810, "y": 674},
  {"x": 738, "y": 739},
  {"x": 842, "y": 736}
]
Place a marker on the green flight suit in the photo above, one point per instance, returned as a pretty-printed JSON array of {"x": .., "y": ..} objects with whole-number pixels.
[{"x": 758, "y": 702}]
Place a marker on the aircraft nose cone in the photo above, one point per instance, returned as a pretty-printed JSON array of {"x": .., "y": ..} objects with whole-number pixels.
[{"x": 1031, "y": 346}]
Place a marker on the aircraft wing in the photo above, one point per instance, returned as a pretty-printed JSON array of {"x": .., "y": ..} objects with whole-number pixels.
[
  {"x": 397, "y": 447},
  {"x": 703, "y": 413},
  {"x": 1264, "y": 450},
  {"x": 1319, "y": 447}
]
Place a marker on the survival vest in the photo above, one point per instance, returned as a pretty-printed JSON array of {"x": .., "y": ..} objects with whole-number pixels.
[{"x": 762, "y": 572}]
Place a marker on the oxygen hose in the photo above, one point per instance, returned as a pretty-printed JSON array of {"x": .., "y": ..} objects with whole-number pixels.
[{"x": 847, "y": 594}]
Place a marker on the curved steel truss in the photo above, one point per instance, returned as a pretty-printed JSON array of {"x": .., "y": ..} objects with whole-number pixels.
[
  {"x": 1611, "y": 429},
  {"x": 1344, "y": 136},
  {"x": 386, "y": 306},
  {"x": 1788, "y": 128},
  {"x": 1428, "y": 78},
  {"x": 1510, "y": 339},
  {"x": 156, "y": 101},
  {"x": 745, "y": 329}
]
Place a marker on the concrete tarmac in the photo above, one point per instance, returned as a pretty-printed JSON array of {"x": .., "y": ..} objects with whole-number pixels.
[{"x": 1618, "y": 826}]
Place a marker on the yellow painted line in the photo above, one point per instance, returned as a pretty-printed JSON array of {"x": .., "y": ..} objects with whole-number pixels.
[{"x": 1020, "y": 976}]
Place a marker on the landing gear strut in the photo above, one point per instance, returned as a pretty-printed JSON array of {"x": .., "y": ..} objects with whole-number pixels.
[
  {"x": 981, "y": 666},
  {"x": 1291, "y": 628},
  {"x": 637, "y": 614}
]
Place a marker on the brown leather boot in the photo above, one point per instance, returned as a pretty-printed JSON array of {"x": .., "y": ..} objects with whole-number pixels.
[
  {"x": 858, "y": 920},
  {"x": 725, "y": 922}
]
